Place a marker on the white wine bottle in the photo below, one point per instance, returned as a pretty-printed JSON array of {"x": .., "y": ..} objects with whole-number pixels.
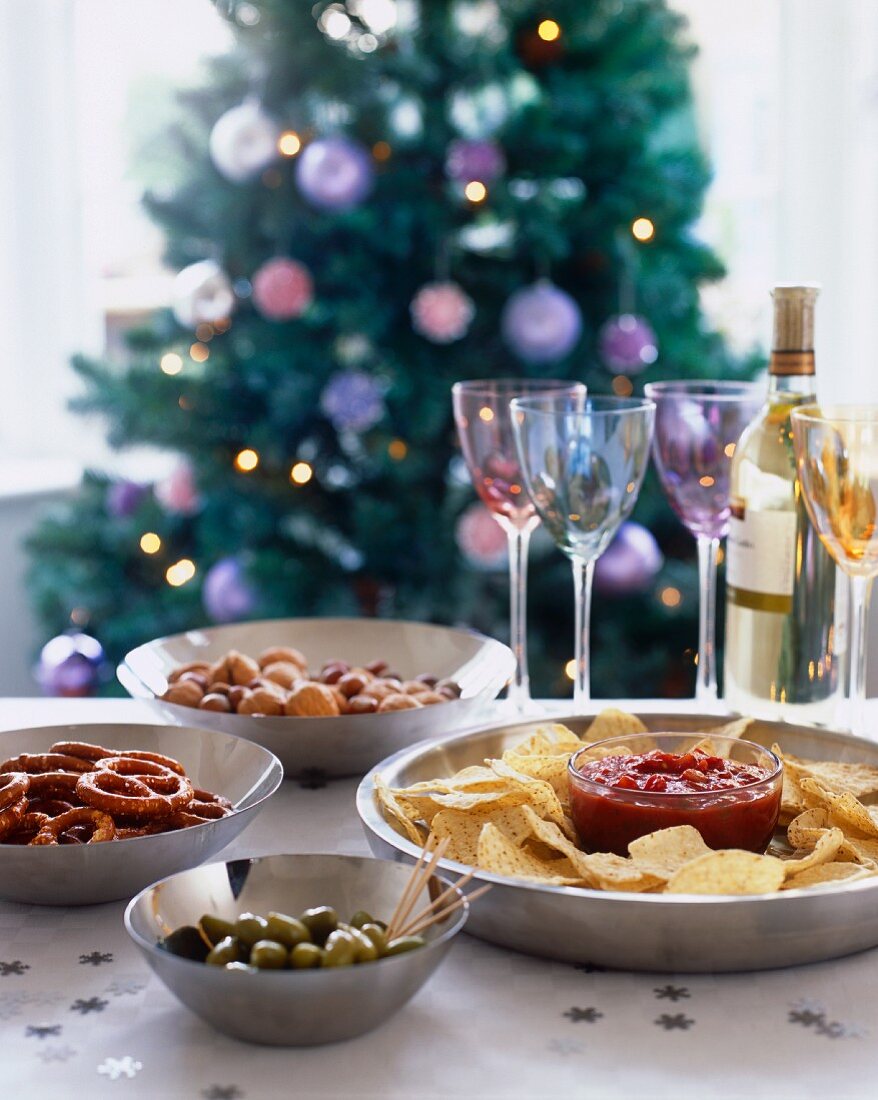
[{"x": 785, "y": 607}]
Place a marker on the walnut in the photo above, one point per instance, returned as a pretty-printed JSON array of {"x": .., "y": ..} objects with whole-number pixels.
[
  {"x": 192, "y": 666},
  {"x": 353, "y": 682},
  {"x": 185, "y": 693},
  {"x": 398, "y": 701},
  {"x": 283, "y": 653},
  {"x": 284, "y": 673},
  {"x": 214, "y": 701},
  {"x": 261, "y": 701},
  {"x": 311, "y": 700},
  {"x": 362, "y": 704}
]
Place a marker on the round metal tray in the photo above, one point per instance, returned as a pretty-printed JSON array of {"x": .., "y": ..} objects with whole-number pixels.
[{"x": 653, "y": 932}]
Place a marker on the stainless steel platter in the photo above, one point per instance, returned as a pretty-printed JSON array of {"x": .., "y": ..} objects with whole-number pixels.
[{"x": 653, "y": 932}]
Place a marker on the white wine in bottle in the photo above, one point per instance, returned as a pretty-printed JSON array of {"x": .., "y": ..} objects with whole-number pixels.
[{"x": 785, "y": 608}]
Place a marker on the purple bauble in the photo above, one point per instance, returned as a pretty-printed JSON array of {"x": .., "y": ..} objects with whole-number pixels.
[
  {"x": 227, "y": 595},
  {"x": 124, "y": 498},
  {"x": 334, "y": 173},
  {"x": 474, "y": 160},
  {"x": 630, "y": 563},
  {"x": 353, "y": 401},
  {"x": 70, "y": 665},
  {"x": 627, "y": 343},
  {"x": 541, "y": 323}
]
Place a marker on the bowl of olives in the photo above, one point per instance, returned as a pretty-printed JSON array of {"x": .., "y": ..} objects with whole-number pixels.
[{"x": 289, "y": 950}]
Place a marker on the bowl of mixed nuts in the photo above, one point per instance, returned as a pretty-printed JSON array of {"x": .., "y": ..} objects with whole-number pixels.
[{"x": 327, "y": 696}]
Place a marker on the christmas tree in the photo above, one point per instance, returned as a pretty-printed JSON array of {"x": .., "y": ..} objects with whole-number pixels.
[{"x": 382, "y": 198}]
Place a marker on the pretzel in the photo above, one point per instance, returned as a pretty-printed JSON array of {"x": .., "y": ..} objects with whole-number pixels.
[
  {"x": 53, "y": 785},
  {"x": 171, "y": 785},
  {"x": 10, "y": 818},
  {"x": 208, "y": 806},
  {"x": 26, "y": 829},
  {"x": 44, "y": 762},
  {"x": 13, "y": 786},
  {"x": 151, "y": 758},
  {"x": 84, "y": 750},
  {"x": 101, "y": 824}
]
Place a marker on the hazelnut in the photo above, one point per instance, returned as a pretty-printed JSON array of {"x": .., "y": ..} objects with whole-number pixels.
[
  {"x": 333, "y": 671},
  {"x": 392, "y": 682},
  {"x": 362, "y": 704},
  {"x": 427, "y": 678},
  {"x": 193, "y": 666},
  {"x": 341, "y": 699},
  {"x": 311, "y": 700},
  {"x": 214, "y": 701},
  {"x": 199, "y": 678},
  {"x": 284, "y": 673},
  {"x": 379, "y": 690},
  {"x": 449, "y": 688},
  {"x": 220, "y": 671},
  {"x": 430, "y": 698},
  {"x": 414, "y": 687},
  {"x": 219, "y": 688},
  {"x": 377, "y": 668},
  {"x": 237, "y": 694},
  {"x": 352, "y": 683},
  {"x": 184, "y": 693},
  {"x": 261, "y": 701},
  {"x": 398, "y": 701},
  {"x": 242, "y": 668},
  {"x": 283, "y": 653}
]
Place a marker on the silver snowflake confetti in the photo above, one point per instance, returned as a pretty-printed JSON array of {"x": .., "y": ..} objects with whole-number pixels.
[
  {"x": 587, "y": 1015},
  {"x": 810, "y": 1014},
  {"x": 95, "y": 958},
  {"x": 92, "y": 1004},
  {"x": 114, "y": 1068},
  {"x": 222, "y": 1092},
  {"x": 671, "y": 993},
  {"x": 33, "y": 1031},
  {"x": 677, "y": 1022},
  {"x": 125, "y": 987},
  {"x": 15, "y": 968},
  {"x": 55, "y": 1054}
]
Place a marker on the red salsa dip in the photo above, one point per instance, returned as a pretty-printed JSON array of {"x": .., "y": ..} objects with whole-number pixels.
[{"x": 616, "y": 799}]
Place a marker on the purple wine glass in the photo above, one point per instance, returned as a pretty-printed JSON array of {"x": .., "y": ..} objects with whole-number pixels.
[{"x": 697, "y": 427}]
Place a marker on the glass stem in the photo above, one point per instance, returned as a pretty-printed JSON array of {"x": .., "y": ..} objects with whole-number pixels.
[
  {"x": 705, "y": 679},
  {"x": 861, "y": 588},
  {"x": 583, "y": 572},
  {"x": 519, "y": 689}
]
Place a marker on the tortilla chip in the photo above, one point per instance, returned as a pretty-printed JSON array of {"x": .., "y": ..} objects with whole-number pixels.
[
  {"x": 614, "y": 723},
  {"x": 730, "y": 871},
  {"x": 462, "y": 828},
  {"x": 705, "y": 745},
  {"x": 844, "y": 810},
  {"x": 500, "y": 855},
  {"x": 539, "y": 794},
  {"x": 551, "y": 769},
  {"x": 733, "y": 730},
  {"x": 827, "y": 873},
  {"x": 395, "y": 814},
  {"x": 864, "y": 852},
  {"x": 805, "y": 830},
  {"x": 665, "y": 851},
  {"x": 824, "y": 851}
]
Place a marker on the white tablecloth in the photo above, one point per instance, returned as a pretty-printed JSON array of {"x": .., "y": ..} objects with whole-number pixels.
[{"x": 81, "y": 1015}]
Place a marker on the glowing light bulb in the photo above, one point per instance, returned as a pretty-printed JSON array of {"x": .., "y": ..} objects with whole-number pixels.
[
  {"x": 397, "y": 449},
  {"x": 549, "y": 30},
  {"x": 476, "y": 191},
  {"x": 171, "y": 363},
  {"x": 729, "y": 450},
  {"x": 643, "y": 229},
  {"x": 622, "y": 386},
  {"x": 707, "y": 481},
  {"x": 289, "y": 143},
  {"x": 150, "y": 543},
  {"x": 570, "y": 669},
  {"x": 199, "y": 352},
  {"x": 246, "y": 460},
  {"x": 381, "y": 150},
  {"x": 181, "y": 572},
  {"x": 301, "y": 473},
  {"x": 671, "y": 597},
  {"x": 204, "y": 332},
  {"x": 486, "y": 414}
]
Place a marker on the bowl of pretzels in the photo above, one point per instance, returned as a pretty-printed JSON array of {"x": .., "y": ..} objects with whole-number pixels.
[{"x": 93, "y": 813}]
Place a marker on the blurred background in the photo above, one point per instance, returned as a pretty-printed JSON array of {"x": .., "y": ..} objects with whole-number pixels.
[{"x": 785, "y": 109}]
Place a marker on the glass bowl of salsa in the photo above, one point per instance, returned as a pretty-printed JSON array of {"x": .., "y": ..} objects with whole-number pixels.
[{"x": 625, "y": 787}]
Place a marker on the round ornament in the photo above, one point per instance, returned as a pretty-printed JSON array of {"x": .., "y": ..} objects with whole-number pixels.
[
  {"x": 481, "y": 539},
  {"x": 334, "y": 173},
  {"x": 243, "y": 142},
  {"x": 474, "y": 160},
  {"x": 227, "y": 594},
  {"x": 353, "y": 401},
  {"x": 124, "y": 498},
  {"x": 541, "y": 323},
  {"x": 442, "y": 312},
  {"x": 71, "y": 665},
  {"x": 202, "y": 294},
  {"x": 627, "y": 343},
  {"x": 282, "y": 289},
  {"x": 177, "y": 493},
  {"x": 630, "y": 563}
]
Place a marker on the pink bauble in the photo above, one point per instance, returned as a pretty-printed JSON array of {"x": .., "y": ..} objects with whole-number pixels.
[
  {"x": 442, "y": 312},
  {"x": 481, "y": 538},
  {"x": 177, "y": 493},
  {"x": 282, "y": 289}
]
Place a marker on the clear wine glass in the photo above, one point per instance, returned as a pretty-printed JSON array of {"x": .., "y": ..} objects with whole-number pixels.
[
  {"x": 481, "y": 412},
  {"x": 697, "y": 426},
  {"x": 583, "y": 468},
  {"x": 837, "y": 462}
]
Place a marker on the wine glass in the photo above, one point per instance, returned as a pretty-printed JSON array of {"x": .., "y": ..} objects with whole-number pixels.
[
  {"x": 583, "y": 468},
  {"x": 837, "y": 462},
  {"x": 481, "y": 412},
  {"x": 697, "y": 426}
]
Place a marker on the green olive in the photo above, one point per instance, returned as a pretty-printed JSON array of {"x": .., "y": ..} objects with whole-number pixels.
[
  {"x": 360, "y": 918},
  {"x": 240, "y": 966},
  {"x": 187, "y": 943},
  {"x": 366, "y": 950},
  {"x": 249, "y": 928},
  {"x": 377, "y": 935},
  {"x": 320, "y": 922},
  {"x": 228, "y": 950},
  {"x": 268, "y": 955},
  {"x": 340, "y": 950},
  {"x": 215, "y": 928},
  {"x": 403, "y": 944},
  {"x": 305, "y": 956},
  {"x": 286, "y": 930}
]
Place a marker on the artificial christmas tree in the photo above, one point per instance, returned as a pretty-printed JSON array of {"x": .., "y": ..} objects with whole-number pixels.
[{"x": 454, "y": 190}]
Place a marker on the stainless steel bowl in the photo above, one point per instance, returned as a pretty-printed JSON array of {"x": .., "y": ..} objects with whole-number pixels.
[
  {"x": 352, "y": 743},
  {"x": 653, "y": 932},
  {"x": 83, "y": 874},
  {"x": 288, "y": 1007}
]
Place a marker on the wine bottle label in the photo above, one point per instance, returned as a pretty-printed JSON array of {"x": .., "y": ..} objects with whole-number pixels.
[{"x": 761, "y": 559}]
